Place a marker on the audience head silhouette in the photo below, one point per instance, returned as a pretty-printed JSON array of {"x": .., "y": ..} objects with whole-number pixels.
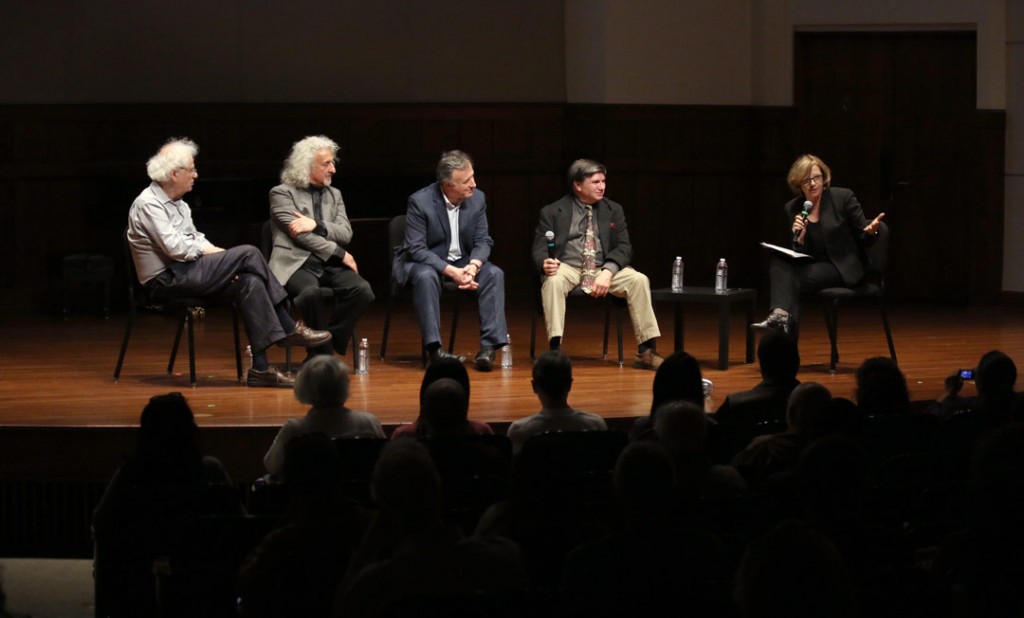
[
  {"x": 445, "y": 367},
  {"x": 552, "y": 376},
  {"x": 168, "y": 445},
  {"x": 678, "y": 378},
  {"x": 881, "y": 387},
  {"x": 996, "y": 374},
  {"x": 407, "y": 487},
  {"x": 323, "y": 382},
  {"x": 808, "y": 407},
  {"x": 445, "y": 408}
]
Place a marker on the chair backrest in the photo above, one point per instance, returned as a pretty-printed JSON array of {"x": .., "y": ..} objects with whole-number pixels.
[
  {"x": 396, "y": 234},
  {"x": 266, "y": 239},
  {"x": 877, "y": 255}
]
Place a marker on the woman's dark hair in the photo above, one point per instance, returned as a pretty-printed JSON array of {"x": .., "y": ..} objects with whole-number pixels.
[
  {"x": 445, "y": 367},
  {"x": 168, "y": 448},
  {"x": 678, "y": 378}
]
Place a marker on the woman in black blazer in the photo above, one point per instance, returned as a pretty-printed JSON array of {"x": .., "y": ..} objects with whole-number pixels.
[{"x": 828, "y": 224}]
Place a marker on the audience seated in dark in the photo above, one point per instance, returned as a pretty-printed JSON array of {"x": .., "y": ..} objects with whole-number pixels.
[
  {"x": 995, "y": 379},
  {"x": 682, "y": 428},
  {"x": 980, "y": 569},
  {"x": 323, "y": 383},
  {"x": 806, "y": 420},
  {"x": 794, "y": 571},
  {"x": 651, "y": 562},
  {"x": 450, "y": 367},
  {"x": 835, "y": 497},
  {"x": 408, "y": 556},
  {"x": 552, "y": 380},
  {"x": 297, "y": 568},
  {"x": 150, "y": 506},
  {"x": 542, "y": 513},
  {"x": 779, "y": 359},
  {"x": 677, "y": 379}
]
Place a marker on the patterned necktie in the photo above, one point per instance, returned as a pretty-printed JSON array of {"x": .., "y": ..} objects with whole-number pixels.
[{"x": 589, "y": 267}]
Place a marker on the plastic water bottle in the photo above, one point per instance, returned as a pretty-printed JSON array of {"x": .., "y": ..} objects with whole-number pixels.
[
  {"x": 677, "y": 274},
  {"x": 506, "y": 353},
  {"x": 363, "y": 357},
  {"x": 721, "y": 277},
  {"x": 707, "y": 386},
  {"x": 247, "y": 361}
]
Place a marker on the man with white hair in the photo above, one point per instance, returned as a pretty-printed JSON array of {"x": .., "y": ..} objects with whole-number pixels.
[
  {"x": 310, "y": 231},
  {"x": 175, "y": 260}
]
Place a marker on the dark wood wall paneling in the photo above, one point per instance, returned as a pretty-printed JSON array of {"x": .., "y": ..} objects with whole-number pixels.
[{"x": 700, "y": 182}]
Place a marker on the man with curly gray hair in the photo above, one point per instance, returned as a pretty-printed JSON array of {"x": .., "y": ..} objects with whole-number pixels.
[
  {"x": 310, "y": 233},
  {"x": 175, "y": 260}
]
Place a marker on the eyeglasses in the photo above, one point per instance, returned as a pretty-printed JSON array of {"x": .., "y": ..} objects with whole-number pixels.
[
  {"x": 189, "y": 170},
  {"x": 813, "y": 180}
]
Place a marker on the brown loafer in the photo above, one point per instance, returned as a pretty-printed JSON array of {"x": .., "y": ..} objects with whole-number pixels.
[
  {"x": 270, "y": 378},
  {"x": 648, "y": 359},
  {"x": 305, "y": 336}
]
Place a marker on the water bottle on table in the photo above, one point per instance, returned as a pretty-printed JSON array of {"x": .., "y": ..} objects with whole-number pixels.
[
  {"x": 677, "y": 274},
  {"x": 721, "y": 277}
]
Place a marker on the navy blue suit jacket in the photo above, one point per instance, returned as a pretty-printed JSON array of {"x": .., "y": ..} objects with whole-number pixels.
[{"x": 428, "y": 233}]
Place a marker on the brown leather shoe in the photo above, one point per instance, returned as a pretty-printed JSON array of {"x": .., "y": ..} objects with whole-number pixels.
[
  {"x": 648, "y": 359},
  {"x": 305, "y": 336},
  {"x": 271, "y": 377}
]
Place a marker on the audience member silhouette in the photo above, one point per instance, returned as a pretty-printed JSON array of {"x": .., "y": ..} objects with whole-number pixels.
[
  {"x": 806, "y": 420},
  {"x": 409, "y": 560},
  {"x": 297, "y": 568},
  {"x": 323, "y": 383},
  {"x": 779, "y": 360},
  {"x": 651, "y": 562},
  {"x": 793, "y": 571},
  {"x": 677, "y": 379},
  {"x": 149, "y": 508},
  {"x": 441, "y": 367},
  {"x": 552, "y": 380},
  {"x": 881, "y": 388},
  {"x": 682, "y": 428}
]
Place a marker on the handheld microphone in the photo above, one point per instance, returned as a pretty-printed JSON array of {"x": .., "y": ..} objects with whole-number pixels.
[
  {"x": 803, "y": 215},
  {"x": 551, "y": 243}
]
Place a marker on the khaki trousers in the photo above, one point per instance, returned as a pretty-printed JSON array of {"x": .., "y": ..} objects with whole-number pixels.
[{"x": 627, "y": 283}]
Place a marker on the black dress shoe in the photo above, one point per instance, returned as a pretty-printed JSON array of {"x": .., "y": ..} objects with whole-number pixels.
[
  {"x": 441, "y": 353},
  {"x": 270, "y": 377},
  {"x": 485, "y": 359},
  {"x": 775, "y": 321},
  {"x": 305, "y": 336}
]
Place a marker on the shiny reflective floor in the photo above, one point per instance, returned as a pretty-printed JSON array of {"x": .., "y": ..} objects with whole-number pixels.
[{"x": 58, "y": 372}]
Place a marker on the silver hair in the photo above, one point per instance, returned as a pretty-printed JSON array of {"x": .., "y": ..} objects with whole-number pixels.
[
  {"x": 581, "y": 169},
  {"x": 450, "y": 161},
  {"x": 173, "y": 155},
  {"x": 322, "y": 382},
  {"x": 300, "y": 162}
]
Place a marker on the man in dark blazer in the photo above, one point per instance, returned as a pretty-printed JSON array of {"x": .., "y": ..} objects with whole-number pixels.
[
  {"x": 565, "y": 264},
  {"x": 446, "y": 236},
  {"x": 310, "y": 232}
]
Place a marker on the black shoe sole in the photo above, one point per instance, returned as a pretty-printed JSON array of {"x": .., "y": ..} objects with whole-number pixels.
[{"x": 484, "y": 364}]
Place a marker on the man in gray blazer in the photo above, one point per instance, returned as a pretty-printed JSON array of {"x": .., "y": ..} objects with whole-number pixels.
[
  {"x": 310, "y": 231},
  {"x": 446, "y": 235}
]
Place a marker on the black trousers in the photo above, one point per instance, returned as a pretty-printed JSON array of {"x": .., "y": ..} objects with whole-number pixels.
[
  {"x": 237, "y": 275},
  {"x": 352, "y": 295},
  {"x": 792, "y": 278}
]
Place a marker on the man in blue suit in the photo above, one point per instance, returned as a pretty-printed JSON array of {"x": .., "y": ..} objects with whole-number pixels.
[{"x": 446, "y": 236}]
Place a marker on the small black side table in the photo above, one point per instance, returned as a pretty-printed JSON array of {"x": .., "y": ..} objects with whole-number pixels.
[{"x": 706, "y": 295}]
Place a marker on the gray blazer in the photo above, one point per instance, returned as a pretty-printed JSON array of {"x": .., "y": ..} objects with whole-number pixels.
[{"x": 290, "y": 253}]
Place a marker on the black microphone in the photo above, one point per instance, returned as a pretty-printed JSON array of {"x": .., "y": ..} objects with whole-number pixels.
[
  {"x": 551, "y": 243},
  {"x": 803, "y": 215}
]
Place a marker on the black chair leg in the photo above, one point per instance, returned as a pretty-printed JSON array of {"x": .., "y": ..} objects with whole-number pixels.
[
  {"x": 618, "y": 329},
  {"x": 192, "y": 349},
  {"x": 607, "y": 322},
  {"x": 533, "y": 334},
  {"x": 888, "y": 333},
  {"x": 177, "y": 342},
  {"x": 455, "y": 324},
  {"x": 387, "y": 326},
  {"x": 124, "y": 344},
  {"x": 238, "y": 342},
  {"x": 832, "y": 322}
]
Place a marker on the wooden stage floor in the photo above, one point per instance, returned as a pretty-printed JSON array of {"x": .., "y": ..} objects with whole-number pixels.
[{"x": 58, "y": 373}]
